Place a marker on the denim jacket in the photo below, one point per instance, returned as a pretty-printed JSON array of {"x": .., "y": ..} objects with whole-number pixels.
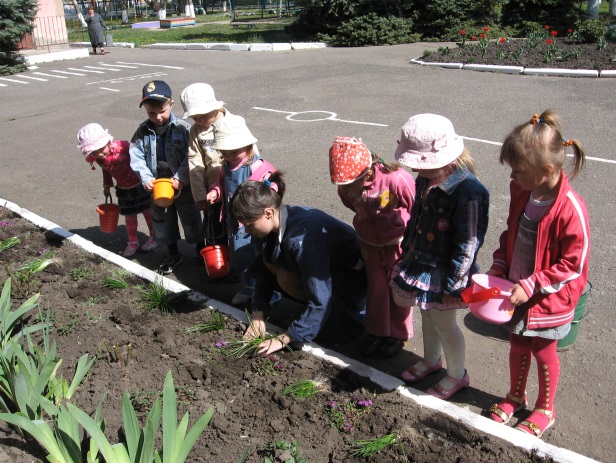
[
  {"x": 447, "y": 227},
  {"x": 143, "y": 150}
]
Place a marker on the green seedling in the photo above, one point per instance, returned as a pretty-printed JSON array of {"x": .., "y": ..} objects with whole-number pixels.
[
  {"x": 247, "y": 346},
  {"x": 118, "y": 354},
  {"x": 368, "y": 447},
  {"x": 306, "y": 388},
  {"x": 68, "y": 327},
  {"x": 216, "y": 323},
  {"x": 155, "y": 296},
  {"x": 117, "y": 280},
  {"x": 9, "y": 243},
  {"x": 291, "y": 452},
  {"x": 81, "y": 273}
]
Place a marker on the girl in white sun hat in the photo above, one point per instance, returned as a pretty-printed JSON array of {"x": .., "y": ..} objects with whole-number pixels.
[
  {"x": 381, "y": 194},
  {"x": 240, "y": 162},
  {"x": 99, "y": 147},
  {"x": 447, "y": 227}
]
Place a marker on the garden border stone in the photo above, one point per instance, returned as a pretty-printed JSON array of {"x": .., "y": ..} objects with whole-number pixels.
[{"x": 388, "y": 382}]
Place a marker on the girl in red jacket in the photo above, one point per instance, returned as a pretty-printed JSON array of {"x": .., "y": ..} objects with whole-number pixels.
[
  {"x": 545, "y": 251},
  {"x": 98, "y": 146}
]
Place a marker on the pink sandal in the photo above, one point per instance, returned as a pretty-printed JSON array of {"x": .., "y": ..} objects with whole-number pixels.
[
  {"x": 539, "y": 421},
  {"x": 413, "y": 375},
  {"x": 149, "y": 245},
  {"x": 506, "y": 408},
  {"x": 131, "y": 249},
  {"x": 440, "y": 392}
]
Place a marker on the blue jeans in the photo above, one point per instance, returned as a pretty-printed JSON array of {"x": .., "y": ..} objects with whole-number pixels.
[{"x": 165, "y": 219}]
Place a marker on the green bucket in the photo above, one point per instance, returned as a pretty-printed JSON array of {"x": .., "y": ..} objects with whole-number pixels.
[{"x": 580, "y": 312}]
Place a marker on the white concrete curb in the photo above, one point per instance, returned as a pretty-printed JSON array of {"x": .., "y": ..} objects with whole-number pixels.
[
  {"x": 56, "y": 56},
  {"x": 115, "y": 45},
  {"x": 520, "y": 69},
  {"x": 486, "y": 425}
]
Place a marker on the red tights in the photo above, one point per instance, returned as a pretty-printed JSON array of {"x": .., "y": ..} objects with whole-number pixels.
[
  {"x": 131, "y": 224},
  {"x": 548, "y": 366}
]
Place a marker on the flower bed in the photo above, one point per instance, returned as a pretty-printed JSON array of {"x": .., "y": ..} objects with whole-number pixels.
[{"x": 256, "y": 414}]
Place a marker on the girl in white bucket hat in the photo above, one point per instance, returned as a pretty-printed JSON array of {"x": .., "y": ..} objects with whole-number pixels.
[{"x": 448, "y": 223}]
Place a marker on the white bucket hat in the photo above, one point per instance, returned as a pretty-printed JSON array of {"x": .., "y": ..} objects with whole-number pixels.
[
  {"x": 199, "y": 99},
  {"x": 231, "y": 133},
  {"x": 428, "y": 141},
  {"x": 92, "y": 137}
]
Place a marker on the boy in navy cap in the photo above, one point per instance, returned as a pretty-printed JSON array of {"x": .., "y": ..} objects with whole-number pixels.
[{"x": 159, "y": 149}]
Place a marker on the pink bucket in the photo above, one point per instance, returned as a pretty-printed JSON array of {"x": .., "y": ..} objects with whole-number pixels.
[{"x": 488, "y": 298}]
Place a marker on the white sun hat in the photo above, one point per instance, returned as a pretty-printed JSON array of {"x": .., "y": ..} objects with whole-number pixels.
[
  {"x": 428, "y": 141},
  {"x": 92, "y": 137},
  {"x": 199, "y": 99},
  {"x": 231, "y": 133}
]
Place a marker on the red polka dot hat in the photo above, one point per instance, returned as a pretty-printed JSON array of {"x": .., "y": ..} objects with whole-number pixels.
[{"x": 349, "y": 159}]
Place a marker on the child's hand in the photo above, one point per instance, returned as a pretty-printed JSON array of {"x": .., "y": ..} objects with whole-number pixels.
[
  {"x": 271, "y": 345},
  {"x": 257, "y": 326},
  {"x": 518, "y": 295},
  {"x": 202, "y": 205},
  {"x": 107, "y": 191},
  {"x": 176, "y": 184},
  {"x": 212, "y": 196},
  {"x": 448, "y": 299},
  {"x": 149, "y": 186}
]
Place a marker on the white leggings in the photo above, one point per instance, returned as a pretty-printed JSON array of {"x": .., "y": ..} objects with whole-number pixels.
[{"x": 441, "y": 331}]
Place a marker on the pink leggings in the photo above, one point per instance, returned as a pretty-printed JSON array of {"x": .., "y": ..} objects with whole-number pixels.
[
  {"x": 383, "y": 316},
  {"x": 548, "y": 366},
  {"x": 131, "y": 224}
]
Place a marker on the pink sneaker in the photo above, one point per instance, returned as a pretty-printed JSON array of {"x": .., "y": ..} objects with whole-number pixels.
[
  {"x": 149, "y": 245},
  {"x": 131, "y": 249}
]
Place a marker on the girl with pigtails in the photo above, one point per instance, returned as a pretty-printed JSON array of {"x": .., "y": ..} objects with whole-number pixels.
[{"x": 545, "y": 252}]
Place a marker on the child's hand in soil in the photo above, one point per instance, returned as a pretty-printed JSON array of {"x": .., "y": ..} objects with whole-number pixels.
[
  {"x": 273, "y": 345},
  {"x": 257, "y": 326}
]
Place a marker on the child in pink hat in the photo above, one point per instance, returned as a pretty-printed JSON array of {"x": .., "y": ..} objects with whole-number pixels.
[
  {"x": 98, "y": 146},
  {"x": 447, "y": 227},
  {"x": 381, "y": 195}
]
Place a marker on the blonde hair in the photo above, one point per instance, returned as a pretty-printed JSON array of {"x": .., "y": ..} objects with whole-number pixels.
[
  {"x": 465, "y": 160},
  {"x": 250, "y": 155},
  {"x": 540, "y": 145}
]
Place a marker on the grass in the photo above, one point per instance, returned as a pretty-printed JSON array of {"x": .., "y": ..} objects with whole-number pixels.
[{"x": 201, "y": 33}]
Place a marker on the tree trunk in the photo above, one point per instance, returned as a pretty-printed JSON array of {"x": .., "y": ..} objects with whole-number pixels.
[
  {"x": 79, "y": 15},
  {"x": 593, "y": 8},
  {"x": 189, "y": 9},
  {"x": 612, "y": 7}
]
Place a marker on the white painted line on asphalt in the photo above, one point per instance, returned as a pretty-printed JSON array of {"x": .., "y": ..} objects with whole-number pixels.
[
  {"x": 69, "y": 73},
  {"x": 3, "y": 85},
  {"x": 110, "y": 89},
  {"x": 152, "y": 65},
  {"x": 120, "y": 66},
  {"x": 117, "y": 80},
  {"x": 526, "y": 441},
  {"x": 86, "y": 70},
  {"x": 34, "y": 78},
  {"x": 50, "y": 75},
  {"x": 331, "y": 116},
  {"x": 104, "y": 69},
  {"x": 13, "y": 80},
  {"x": 588, "y": 158}
]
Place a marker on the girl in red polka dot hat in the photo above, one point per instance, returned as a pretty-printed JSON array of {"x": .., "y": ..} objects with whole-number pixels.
[{"x": 381, "y": 195}]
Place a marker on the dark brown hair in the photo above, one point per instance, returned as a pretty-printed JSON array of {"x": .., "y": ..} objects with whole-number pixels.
[{"x": 252, "y": 197}]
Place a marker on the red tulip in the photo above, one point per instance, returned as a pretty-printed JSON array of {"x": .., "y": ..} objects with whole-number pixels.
[
  {"x": 546, "y": 27},
  {"x": 486, "y": 29},
  {"x": 570, "y": 31},
  {"x": 554, "y": 33},
  {"x": 463, "y": 32},
  {"x": 549, "y": 41},
  {"x": 502, "y": 40},
  {"x": 483, "y": 36},
  {"x": 473, "y": 38}
]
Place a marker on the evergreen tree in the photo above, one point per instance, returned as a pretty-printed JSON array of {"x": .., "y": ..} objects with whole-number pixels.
[{"x": 16, "y": 18}]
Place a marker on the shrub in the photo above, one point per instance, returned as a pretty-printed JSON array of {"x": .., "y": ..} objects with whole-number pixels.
[
  {"x": 590, "y": 30},
  {"x": 558, "y": 14},
  {"x": 372, "y": 30},
  {"x": 16, "y": 17}
]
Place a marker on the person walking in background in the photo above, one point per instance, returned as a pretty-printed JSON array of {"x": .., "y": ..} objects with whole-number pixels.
[
  {"x": 381, "y": 195},
  {"x": 159, "y": 149},
  {"x": 96, "y": 28},
  {"x": 99, "y": 147},
  {"x": 235, "y": 142},
  {"x": 544, "y": 252},
  {"x": 448, "y": 223},
  {"x": 311, "y": 256}
]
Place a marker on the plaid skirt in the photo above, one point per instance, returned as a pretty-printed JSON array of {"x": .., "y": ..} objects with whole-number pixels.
[
  {"x": 133, "y": 201},
  {"x": 421, "y": 284}
]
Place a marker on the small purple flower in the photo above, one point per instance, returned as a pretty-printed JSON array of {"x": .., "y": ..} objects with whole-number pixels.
[
  {"x": 6, "y": 224},
  {"x": 42, "y": 251},
  {"x": 221, "y": 343},
  {"x": 331, "y": 403}
]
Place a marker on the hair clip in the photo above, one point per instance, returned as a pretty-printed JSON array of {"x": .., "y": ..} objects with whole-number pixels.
[
  {"x": 535, "y": 119},
  {"x": 267, "y": 182},
  {"x": 382, "y": 161},
  {"x": 567, "y": 142}
]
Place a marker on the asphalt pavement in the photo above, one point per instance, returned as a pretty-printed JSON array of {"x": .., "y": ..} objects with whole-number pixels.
[{"x": 296, "y": 103}]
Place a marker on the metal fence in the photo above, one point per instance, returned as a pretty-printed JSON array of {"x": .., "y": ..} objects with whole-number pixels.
[{"x": 48, "y": 31}]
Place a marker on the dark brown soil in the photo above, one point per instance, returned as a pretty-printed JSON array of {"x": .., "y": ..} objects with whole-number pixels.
[
  {"x": 250, "y": 409},
  {"x": 506, "y": 54}
]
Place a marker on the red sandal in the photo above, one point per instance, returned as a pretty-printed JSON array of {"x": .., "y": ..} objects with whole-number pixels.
[
  {"x": 413, "y": 375},
  {"x": 506, "y": 408},
  {"x": 539, "y": 421}
]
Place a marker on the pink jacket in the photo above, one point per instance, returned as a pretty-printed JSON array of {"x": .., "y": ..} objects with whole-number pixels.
[
  {"x": 383, "y": 207},
  {"x": 561, "y": 256},
  {"x": 117, "y": 166}
]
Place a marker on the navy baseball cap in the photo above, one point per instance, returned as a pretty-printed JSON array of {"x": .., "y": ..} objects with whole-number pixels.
[{"x": 156, "y": 90}]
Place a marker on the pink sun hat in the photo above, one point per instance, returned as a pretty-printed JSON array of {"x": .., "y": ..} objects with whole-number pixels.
[
  {"x": 349, "y": 159},
  {"x": 428, "y": 141},
  {"x": 92, "y": 137}
]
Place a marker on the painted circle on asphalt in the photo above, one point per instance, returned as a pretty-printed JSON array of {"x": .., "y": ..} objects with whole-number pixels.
[{"x": 310, "y": 114}]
